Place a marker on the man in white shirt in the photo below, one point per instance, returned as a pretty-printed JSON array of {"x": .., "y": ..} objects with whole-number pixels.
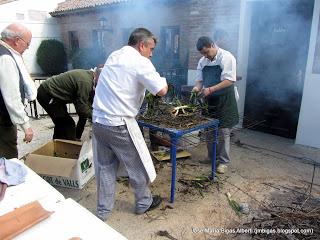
[
  {"x": 216, "y": 74},
  {"x": 126, "y": 75},
  {"x": 15, "y": 39}
]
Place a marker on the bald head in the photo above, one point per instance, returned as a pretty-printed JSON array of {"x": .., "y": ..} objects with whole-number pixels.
[{"x": 17, "y": 36}]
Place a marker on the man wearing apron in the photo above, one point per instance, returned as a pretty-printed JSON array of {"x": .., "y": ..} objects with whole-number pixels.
[
  {"x": 126, "y": 75},
  {"x": 216, "y": 74}
]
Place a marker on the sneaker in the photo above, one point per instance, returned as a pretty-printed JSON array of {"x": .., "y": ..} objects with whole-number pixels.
[
  {"x": 156, "y": 200},
  {"x": 222, "y": 168}
]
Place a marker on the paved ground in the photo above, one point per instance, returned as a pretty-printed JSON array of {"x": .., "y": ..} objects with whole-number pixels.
[{"x": 264, "y": 169}]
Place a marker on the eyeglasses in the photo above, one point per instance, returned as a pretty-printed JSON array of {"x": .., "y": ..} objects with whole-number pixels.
[{"x": 27, "y": 43}]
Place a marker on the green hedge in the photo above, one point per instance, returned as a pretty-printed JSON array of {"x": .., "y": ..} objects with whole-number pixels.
[{"x": 52, "y": 57}]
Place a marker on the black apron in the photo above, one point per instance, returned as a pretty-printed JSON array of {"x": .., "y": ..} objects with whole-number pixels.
[{"x": 222, "y": 104}]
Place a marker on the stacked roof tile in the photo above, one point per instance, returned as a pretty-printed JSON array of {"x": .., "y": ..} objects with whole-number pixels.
[
  {"x": 6, "y": 1},
  {"x": 74, "y": 5}
]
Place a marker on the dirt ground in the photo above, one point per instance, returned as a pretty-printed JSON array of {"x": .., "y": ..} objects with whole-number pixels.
[{"x": 265, "y": 170}]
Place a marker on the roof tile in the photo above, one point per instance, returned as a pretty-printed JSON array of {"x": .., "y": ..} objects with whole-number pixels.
[
  {"x": 70, "y": 5},
  {"x": 6, "y": 1}
]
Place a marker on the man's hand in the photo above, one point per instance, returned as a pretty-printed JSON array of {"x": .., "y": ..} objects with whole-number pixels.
[
  {"x": 28, "y": 135},
  {"x": 163, "y": 91},
  {"x": 206, "y": 91},
  {"x": 195, "y": 89}
]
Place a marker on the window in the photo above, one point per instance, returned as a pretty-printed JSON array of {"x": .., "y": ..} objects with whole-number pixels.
[
  {"x": 167, "y": 57},
  {"x": 170, "y": 38},
  {"x": 99, "y": 38},
  {"x": 19, "y": 16}
]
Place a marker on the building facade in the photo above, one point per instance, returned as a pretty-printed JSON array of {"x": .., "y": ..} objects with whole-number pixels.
[
  {"x": 35, "y": 15},
  {"x": 274, "y": 42}
]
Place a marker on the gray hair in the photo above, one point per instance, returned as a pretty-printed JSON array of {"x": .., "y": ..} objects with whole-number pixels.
[
  {"x": 97, "y": 70},
  {"x": 96, "y": 73},
  {"x": 10, "y": 34},
  {"x": 141, "y": 35}
]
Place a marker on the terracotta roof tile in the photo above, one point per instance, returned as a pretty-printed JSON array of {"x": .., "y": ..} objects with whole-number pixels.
[
  {"x": 72, "y": 5},
  {"x": 6, "y": 1}
]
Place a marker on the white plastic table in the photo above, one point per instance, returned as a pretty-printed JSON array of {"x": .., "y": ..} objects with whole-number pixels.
[{"x": 69, "y": 219}]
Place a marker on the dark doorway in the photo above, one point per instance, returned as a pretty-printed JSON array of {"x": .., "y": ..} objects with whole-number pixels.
[{"x": 278, "y": 49}]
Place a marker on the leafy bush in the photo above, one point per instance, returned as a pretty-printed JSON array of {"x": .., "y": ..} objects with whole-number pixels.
[
  {"x": 87, "y": 58},
  {"x": 52, "y": 57}
]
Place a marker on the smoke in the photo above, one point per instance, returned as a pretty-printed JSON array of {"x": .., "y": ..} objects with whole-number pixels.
[
  {"x": 133, "y": 14},
  {"x": 162, "y": 20},
  {"x": 280, "y": 32}
]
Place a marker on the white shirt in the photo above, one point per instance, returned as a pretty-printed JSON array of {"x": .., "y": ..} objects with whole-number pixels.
[
  {"x": 225, "y": 60},
  {"x": 122, "y": 85},
  {"x": 9, "y": 86}
]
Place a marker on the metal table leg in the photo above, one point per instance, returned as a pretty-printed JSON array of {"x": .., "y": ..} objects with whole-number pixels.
[
  {"x": 173, "y": 157},
  {"x": 214, "y": 150},
  {"x": 31, "y": 110},
  {"x": 175, "y": 135},
  {"x": 35, "y": 109}
]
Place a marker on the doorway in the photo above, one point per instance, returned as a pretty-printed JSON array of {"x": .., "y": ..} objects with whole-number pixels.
[{"x": 278, "y": 49}]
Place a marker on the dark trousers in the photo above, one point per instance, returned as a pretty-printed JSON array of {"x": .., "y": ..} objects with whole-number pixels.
[
  {"x": 65, "y": 127},
  {"x": 8, "y": 141},
  {"x": 80, "y": 126}
]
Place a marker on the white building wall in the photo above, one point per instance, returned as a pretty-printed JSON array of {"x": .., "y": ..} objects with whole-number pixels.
[
  {"x": 309, "y": 121},
  {"x": 35, "y": 15}
]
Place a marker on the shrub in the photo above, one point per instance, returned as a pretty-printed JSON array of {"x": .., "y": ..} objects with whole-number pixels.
[
  {"x": 52, "y": 57},
  {"x": 87, "y": 58}
]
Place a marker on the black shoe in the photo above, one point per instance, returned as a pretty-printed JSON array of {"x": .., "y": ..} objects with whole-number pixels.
[{"x": 156, "y": 200}]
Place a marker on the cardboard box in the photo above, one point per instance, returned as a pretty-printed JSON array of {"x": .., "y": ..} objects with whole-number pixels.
[{"x": 63, "y": 163}]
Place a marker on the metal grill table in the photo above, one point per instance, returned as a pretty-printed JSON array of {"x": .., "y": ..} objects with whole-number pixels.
[
  {"x": 33, "y": 104},
  {"x": 175, "y": 135}
]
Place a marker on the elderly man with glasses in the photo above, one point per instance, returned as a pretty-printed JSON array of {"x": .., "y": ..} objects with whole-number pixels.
[{"x": 15, "y": 86}]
